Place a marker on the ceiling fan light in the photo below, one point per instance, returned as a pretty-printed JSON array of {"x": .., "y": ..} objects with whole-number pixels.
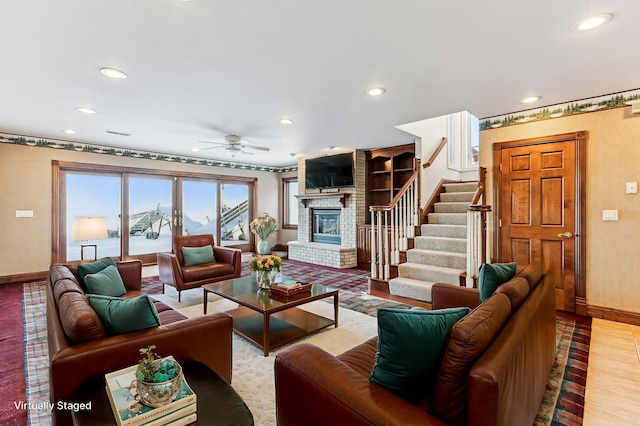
[{"x": 233, "y": 151}]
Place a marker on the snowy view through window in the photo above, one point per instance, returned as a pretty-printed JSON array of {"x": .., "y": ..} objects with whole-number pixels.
[{"x": 151, "y": 211}]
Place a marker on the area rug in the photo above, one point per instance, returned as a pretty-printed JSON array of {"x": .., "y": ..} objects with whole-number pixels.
[
  {"x": 253, "y": 373},
  {"x": 352, "y": 283}
]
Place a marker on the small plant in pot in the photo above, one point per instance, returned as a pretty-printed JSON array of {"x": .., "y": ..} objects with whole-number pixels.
[{"x": 158, "y": 379}]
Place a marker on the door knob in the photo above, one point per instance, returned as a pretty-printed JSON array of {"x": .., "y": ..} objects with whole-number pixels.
[{"x": 565, "y": 235}]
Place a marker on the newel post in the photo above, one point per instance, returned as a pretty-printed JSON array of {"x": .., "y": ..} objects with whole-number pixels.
[{"x": 476, "y": 241}]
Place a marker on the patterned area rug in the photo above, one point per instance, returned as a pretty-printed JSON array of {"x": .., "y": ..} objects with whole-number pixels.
[
  {"x": 563, "y": 403},
  {"x": 353, "y": 285}
]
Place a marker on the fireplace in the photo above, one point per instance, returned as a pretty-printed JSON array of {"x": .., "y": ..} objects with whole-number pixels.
[{"x": 325, "y": 226}]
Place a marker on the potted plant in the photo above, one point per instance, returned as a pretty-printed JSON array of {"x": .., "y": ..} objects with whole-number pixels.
[
  {"x": 158, "y": 379},
  {"x": 263, "y": 226},
  {"x": 263, "y": 266}
]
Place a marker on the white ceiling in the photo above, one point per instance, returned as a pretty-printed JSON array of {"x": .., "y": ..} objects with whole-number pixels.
[{"x": 201, "y": 69}]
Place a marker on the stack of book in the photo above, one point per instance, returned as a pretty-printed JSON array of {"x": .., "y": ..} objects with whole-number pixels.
[{"x": 129, "y": 411}]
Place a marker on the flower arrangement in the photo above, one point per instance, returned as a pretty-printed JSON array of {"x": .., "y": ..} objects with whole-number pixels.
[
  {"x": 263, "y": 226},
  {"x": 265, "y": 263}
]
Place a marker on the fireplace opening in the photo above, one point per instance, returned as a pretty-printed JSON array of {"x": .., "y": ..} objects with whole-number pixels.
[{"x": 325, "y": 226}]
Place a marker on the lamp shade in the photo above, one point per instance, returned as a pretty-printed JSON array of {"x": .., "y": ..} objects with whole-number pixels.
[{"x": 88, "y": 228}]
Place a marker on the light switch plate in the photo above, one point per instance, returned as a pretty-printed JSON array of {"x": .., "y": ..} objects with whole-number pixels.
[
  {"x": 609, "y": 214},
  {"x": 24, "y": 213},
  {"x": 632, "y": 187}
]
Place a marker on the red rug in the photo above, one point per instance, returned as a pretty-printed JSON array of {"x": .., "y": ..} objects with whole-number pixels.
[{"x": 12, "y": 376}]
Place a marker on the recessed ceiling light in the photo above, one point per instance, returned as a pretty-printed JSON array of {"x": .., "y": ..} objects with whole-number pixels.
[
  {"x": 531, "y": 99},
  {"x": 375, "y": 91},
  {"x": 592, "y": 22},
  {"x": 194, "y": 149},
  {"x": 286, "y": 121},
  {"x": 86, "y": 110},
  {"x": 113, "y": 73},
  {"x": 70, "y": 131},
  {"x": 292, "y": 154}
]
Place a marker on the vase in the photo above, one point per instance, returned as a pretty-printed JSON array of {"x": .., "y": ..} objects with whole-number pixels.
[
  {"x": 263, "y": 278},
  {"x": 158, "y": 394},
  {"x": 263, "y": 247}
]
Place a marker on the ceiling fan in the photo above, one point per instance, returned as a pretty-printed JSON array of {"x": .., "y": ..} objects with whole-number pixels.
[{"x": 234, "y": 145}]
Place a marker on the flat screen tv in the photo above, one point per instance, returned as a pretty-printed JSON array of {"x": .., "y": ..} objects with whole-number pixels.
[{"x": 331, "y": 171}]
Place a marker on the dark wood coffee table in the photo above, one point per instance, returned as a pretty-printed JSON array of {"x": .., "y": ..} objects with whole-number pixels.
[
  {"x": 217, "y": 402},
  {"x": 267, "y": 319}
]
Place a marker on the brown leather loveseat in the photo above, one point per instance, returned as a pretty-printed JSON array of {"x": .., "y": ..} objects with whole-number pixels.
[
  {"x": 80, "y": 348},
  {"x": 494, "y": 369}
]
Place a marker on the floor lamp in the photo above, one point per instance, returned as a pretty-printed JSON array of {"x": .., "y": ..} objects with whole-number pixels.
[{"x": 89, "y": 228}]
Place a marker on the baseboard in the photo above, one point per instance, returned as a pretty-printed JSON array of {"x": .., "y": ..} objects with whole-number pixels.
[
  {"x": 581, "y": 306},
  {"x": 24, "y": 278},
  {"x": 611, "y": 314}
]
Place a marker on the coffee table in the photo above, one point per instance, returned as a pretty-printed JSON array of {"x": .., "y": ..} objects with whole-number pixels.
[{"x": 269, "y": 320}]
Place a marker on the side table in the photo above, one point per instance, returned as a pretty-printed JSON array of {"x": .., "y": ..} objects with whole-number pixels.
[{"x": 217, "y": 402}]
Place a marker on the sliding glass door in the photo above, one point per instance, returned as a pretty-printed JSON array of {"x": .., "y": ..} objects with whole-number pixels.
[
  {"x": 234, "y": 215},
  {"x": 144, "y": 209},
  {"x": 199, "y": 214},
  {"x": 92, "y": 196},
  {"x": 149, "y": 214}
]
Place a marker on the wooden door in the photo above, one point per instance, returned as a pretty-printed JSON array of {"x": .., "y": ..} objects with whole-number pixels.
[{"x": 540, "y": 209}]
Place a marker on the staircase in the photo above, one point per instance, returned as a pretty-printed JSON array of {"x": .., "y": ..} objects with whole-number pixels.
[{"x": 440, "y": 253}]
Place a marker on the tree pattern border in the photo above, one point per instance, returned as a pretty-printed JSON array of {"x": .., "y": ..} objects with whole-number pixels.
[
  {"x": 598, "y": 103},
  {"x": 97, "y": 149}
]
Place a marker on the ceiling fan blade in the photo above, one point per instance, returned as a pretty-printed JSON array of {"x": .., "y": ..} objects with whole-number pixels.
[
  {"x": 216, "y": 143},
  {"x": 257, "y": 148},
  {"x": 211, "y": 147}
]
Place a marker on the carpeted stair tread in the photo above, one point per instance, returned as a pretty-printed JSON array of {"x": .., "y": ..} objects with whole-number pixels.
[
  {"x": 449, "y": 197},
  {"x": 447, "y": 218},
  {"x": 457, "y": 207},
  {"x": 438, "y": 258},
  {"x": 441, "y": 230},
  {"x": 409, "y": 287},
  {"x": 437, "y": 274},
  {"x": 447, "y": 244},
  {"x": 461, "y": 187}
]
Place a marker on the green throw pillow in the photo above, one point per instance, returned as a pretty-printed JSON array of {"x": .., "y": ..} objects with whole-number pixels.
[
  {"x": 198, "y": 255},
  {"x": 492, "y": 276},
  {"x": 125, "y": 315},
  {"x": 91, "y": 268},
  {"x": 410, "y": 347},
  {"x": 107, "y": 282}
]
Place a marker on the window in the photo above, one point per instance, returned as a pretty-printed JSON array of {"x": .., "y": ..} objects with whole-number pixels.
[
  {"x": 464, "y": 141},
  {"x": 290, "y": 203},
  {"x": 143, "y": 209}
]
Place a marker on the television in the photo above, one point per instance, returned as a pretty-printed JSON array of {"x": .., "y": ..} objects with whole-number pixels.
[{"x": 331, "y": 171}]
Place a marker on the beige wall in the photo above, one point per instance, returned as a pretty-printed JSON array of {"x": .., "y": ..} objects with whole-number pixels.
[
  {"x": 613, "y": 158},
  {"x": 26, "y": 184}
]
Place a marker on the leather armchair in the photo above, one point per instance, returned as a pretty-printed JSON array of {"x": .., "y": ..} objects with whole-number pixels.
[{"x": 173, "y": 271}]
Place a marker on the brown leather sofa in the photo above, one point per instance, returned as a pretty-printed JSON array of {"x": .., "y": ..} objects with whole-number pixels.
[
  {"x": 79, "y": 347},
  {"x": 173, "y": 271},
  {"x": 494, "y": 369}
]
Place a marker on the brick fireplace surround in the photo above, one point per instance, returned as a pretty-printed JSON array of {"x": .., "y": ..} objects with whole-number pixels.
[{"x": 352, "y": 214}]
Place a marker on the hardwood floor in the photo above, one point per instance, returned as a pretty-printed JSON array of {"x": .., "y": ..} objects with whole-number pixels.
[{"x": 613, "y": 375}]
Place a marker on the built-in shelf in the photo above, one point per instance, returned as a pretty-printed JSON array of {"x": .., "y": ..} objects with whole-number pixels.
[{"x": 342, "y": 196}]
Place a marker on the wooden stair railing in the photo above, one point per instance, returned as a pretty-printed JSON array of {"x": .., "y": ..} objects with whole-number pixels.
[
  {"x": 393, "y": 225},
  {"x": 477, "y": 231}
]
